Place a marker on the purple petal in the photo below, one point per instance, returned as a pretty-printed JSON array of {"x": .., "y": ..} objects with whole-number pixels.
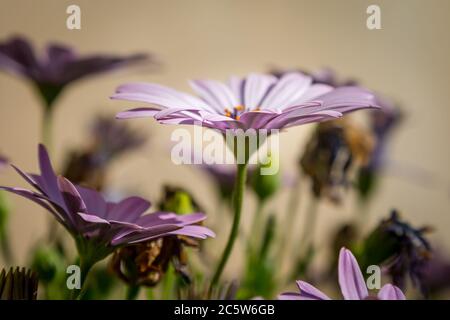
[
  {"x": 391, "y": 292},
  {"x": 129, "y": 209},
  {"x": 351, "y": 279},
  {"x": 144, "y": 235},
  {"x": 215, "y": 94},
  {"x": 195, "y": 232},
  {"x": 256, "y": 88},
  {"x": 288, "y": 89},
  {"x": 48, "y": 178},
  {"x": 37, "y": 198},
  {"x": 309, "y": 292},
  {"x": 94, "y": 201},
  {"x": 137, "y": 113},
  {"x": 72, "y": 198}
]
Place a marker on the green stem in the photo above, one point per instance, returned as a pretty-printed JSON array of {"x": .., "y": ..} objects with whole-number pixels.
[
  {"x": 47, "y": 124},
  {"x": 310, "y": 225},
  {"x": 132, "y": 292},
  {"x": 253, "y": 236},
  {"x": 238, "y": 196},
  {"x": 291, "y": 214},
  {"x": 85, "y": 267}
]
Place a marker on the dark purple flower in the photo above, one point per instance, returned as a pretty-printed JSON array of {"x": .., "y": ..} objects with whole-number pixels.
[
  {"x": 57, "y": 67},
  {"x": 98, "y": 226},
  {"x": 351, "y": 282},
  {"x": 257, "y": 101},
  {"x": 412, "y": 251}
]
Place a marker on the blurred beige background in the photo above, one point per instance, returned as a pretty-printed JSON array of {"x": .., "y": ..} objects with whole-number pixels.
[{"x": 408, "y": 60}]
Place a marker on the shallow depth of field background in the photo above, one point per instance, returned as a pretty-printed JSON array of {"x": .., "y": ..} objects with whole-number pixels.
[{"x": 407, "y": 60}]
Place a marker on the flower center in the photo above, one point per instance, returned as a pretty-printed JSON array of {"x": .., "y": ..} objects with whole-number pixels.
[{"x": 235, "y": 113}]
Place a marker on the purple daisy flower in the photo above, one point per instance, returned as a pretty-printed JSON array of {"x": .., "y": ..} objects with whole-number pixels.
[
  {"x": 57, "y": 67},
  {"x": 257, "y": 101},
  {"x": 351, "y": 281},
  {"x": 98, "y": 226}
]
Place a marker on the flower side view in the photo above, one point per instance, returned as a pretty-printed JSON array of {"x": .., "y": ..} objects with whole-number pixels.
[
  {"x": 257, "y": 101},
  {"x": 351, "y": 282},
  {"x": 97, "y": 226}
]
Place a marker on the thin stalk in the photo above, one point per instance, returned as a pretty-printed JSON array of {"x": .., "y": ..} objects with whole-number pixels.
[
  {"x": 47, "y": 124},
  {"x": 291, "y": 214},
  {"x": 46, "y": 136},
  {"x": 238, "y": 196},
  {"x": 310, "y": 225},
  {"x": 132, "y": 292},
  {"x": 253, "y": 236},
  {"x": 85, "y": 268}
]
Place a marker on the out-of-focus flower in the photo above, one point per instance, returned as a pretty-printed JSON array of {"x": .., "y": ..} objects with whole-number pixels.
[
  {"x": 97, "y": 226},
  {"x": 382, "y": 124},
  {"x": 333, "y": 149},
  {"x": 258, "y": 101},
  {"x": 18, "y": 284},
  {"x": 402, "y": 248},
  {"x": 146, "y": 263},
  {"x": 351, "y": 282},
  {"x": 109, "y": 140},
  {"x": 57, "y": 67},
  {"x": 436, "y": 274}
]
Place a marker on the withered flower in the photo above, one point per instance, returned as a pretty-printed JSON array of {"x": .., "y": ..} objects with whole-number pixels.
[
  {"x": 333, "y": 150},
  {"x": 401, "y": 248},
  {"x": 18, "y": 284},
  {"x": 146, "y": 263}
]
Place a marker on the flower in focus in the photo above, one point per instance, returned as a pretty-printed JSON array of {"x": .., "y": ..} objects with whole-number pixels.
[
  {"x": 57, "y": 67},
  {"x": 351, "y": 282},
  {"x": 257, "y": 101},
  {"x": 108, "y": 141},
  {"x": 98, "y": 226},
  {"x": 403, "y": 249},
  {"x": 18, "y": 284},
  {"x": 334, "y": 148}
]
